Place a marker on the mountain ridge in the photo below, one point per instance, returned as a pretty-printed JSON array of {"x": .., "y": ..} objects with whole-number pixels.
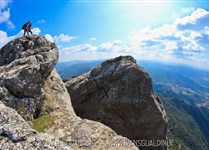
[{"x": 30, "y": 85}]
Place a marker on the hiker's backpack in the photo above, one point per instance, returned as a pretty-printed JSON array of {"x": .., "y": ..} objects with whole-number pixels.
[{"x": 24, "y": 26}]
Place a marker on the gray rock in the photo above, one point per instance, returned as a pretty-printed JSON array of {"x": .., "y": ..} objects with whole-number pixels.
[
  {"x": 13, "y": 125},
  {"x": 25, "y": 63},
  {"x": 119, "y": 94},
  {"x": 79, "y": 133},
  {"x": 15, "y": 133}
]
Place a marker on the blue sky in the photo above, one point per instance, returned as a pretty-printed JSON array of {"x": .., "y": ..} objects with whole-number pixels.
[{"x": 172, "y": 31}]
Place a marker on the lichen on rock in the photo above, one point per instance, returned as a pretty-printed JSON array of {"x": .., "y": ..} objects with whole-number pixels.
[
  {"x": 16, "y": 133},
  {"x": 25, "y": 63}
]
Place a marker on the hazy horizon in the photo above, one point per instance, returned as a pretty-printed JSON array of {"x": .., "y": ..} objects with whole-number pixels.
[{"x": 141, "y": 61}]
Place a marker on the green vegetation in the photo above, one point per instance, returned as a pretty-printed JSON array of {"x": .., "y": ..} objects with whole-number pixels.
[
  {"x": 183, "y": 128},
  {"x": 47, "y": 107},
  {"x": 43, "y": 122},
  {"x": 178, "y": 144}
]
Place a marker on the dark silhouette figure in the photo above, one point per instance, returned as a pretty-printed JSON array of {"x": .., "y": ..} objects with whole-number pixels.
[{"x": 27, "y": 28}]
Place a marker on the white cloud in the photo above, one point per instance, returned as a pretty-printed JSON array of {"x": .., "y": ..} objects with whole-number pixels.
[
  {"x": 114, "y": 46},
  {"x": 105, "y": 46},
  {"x": 90, "y": 52},
  {"x": 117, "y": 42},
  {"x": 93, "y": 39},
  {"x": 184, "y": 39},
  {"x": 78, "y": 48},
  {"x": 41, "y": 21},
  {"x": 36, "y": 31},
  {"x": 188, "y": 10},
  {"x": 49, "y": 37},
  {"x": 10, "y": 25},
  {"x": 4, "y": 38},
  {"x": 3, "y": 35},
  {"x": 173, "y": 39},
  {"x": 62, "y": 38},
  {"x": 4, "y": 15},
  {"x": 196, "y": 21},
  {"x": 102, "y": 51},
  {"x": 4, "y": 4}
]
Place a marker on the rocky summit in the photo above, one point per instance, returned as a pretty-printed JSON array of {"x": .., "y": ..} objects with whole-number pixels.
[
  {"x": 35, "y": 107},
  {"x": 119, "y": 94},
  {"x": 25, "y": 64}
]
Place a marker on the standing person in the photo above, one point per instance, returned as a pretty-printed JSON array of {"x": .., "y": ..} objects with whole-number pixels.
[
  {"x": 25, "y": 28},
  {"x": 30, "y": 27}
]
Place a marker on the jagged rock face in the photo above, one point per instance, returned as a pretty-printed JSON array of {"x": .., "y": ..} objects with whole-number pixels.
[
  {"x": 79, "y": 133},
  {"x": 15, "y": 133},
  {"x": 25, "y": 64},
  {"x": 119, "y": 94}
]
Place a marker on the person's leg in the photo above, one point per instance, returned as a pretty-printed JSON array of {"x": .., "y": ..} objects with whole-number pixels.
[
  {"x": 24, "y": 32},
  {"x": 27, "y": 31},
  {"x": 30, "y": 31}
]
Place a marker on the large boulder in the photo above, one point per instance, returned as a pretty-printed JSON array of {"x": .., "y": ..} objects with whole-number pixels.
[
  {"x": 79, "y": 133},
  {"x": 15, "y": 133},
  {"x": 25, "y": 63},
  {"x": 119, "y": 94}
]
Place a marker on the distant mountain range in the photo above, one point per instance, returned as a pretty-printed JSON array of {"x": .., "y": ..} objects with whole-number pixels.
[
  {"x": 182, "y": 82},
  {"x": 75, "y": 68},
  {"x": 185, "y": 94}
]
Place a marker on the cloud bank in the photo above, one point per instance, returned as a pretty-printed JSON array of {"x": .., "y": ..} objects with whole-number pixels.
[
  {"x": 185, "y": 40},
  {"x": 5, "y": 14},
  {"x": 4, "y": 38},
  {"x": 186, "y": 36}
]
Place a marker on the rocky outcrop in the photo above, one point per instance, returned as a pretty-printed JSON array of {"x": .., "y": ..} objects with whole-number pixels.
[
  {"x": 30, "y": 85},
  {"x": 79, "y": 133},
  {"x": 119, "y": 94},
  {"x": 25, "y": 64}
]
